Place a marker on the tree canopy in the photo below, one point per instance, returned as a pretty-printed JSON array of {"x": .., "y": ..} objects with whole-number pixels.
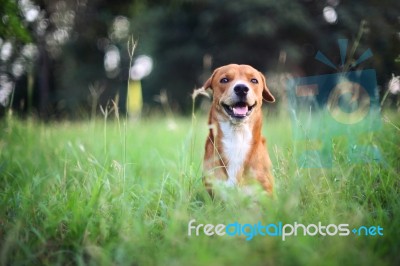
[{"x": 61, "y": 48}]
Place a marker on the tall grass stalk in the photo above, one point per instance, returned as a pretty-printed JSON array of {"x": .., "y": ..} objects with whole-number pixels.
[
  {"x": 356, "y": 43},
  {"x": 193, "y": 123},
  {"x": 131, "y": 46}
]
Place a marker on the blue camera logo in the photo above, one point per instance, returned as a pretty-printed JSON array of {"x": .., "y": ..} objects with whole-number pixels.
[{"x": 334, "y": 105}]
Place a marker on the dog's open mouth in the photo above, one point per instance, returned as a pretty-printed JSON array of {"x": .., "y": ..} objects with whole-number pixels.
[{"x": 239, "y": 109}]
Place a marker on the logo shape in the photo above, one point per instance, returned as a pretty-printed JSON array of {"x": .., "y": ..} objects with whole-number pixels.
[{"x": 327, "y": 106}]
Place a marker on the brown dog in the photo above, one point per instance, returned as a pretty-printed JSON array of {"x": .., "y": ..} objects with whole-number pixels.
[{"x": 235, "y": 151}]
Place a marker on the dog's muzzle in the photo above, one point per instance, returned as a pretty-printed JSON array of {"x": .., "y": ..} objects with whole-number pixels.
[{"x": 240, "y": 108}]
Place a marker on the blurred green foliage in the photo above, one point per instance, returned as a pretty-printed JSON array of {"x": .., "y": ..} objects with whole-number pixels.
[
  {"x": 187, "y": 40},
  {"x": 11, "y": 25},
  {"x": 259, "y": 33}
]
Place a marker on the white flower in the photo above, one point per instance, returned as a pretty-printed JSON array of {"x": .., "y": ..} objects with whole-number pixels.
[
  {"x": 6, "y": 88},
  {"x": 394, "y": 84}
]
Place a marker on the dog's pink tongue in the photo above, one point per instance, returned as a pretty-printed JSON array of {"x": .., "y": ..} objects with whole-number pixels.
[{"x": 240, "y": 110}]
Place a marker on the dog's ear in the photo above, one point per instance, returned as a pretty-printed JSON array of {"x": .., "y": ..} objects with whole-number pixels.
[
  {"x": 266, "y": 94},
  {"x": 207, "y": 84},
  {"x": 206, "y": 89}
]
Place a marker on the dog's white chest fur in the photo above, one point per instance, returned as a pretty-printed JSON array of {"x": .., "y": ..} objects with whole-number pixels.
[{"x": 236, "y": 142}]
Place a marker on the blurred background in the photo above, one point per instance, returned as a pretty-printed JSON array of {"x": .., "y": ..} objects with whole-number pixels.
[{"x": 63, "y": 59}]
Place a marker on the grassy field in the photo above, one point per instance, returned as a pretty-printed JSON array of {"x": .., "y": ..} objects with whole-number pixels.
[{"x": 110, "y": 193}]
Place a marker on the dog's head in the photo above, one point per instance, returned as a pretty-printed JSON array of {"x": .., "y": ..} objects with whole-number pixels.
[{"x": 238, "y": 90}]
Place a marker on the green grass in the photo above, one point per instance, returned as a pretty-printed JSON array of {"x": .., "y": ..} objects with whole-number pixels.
[{"x": 95, "y": 193}]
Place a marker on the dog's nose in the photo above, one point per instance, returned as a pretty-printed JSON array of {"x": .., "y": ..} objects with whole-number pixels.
[{"x": 241, "y": 90}]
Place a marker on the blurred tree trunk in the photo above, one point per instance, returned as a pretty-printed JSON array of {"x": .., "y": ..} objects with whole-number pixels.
[{"x": 43, "y": 81}]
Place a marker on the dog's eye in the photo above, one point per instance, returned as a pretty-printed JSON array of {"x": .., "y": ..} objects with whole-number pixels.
[
  {"x": 224, "y": 80},
  {"x": 255, "y": 81}
]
